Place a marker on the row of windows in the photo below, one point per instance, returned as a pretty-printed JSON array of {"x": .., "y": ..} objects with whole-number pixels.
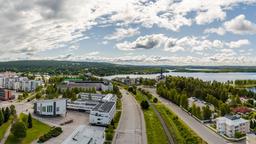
[{"x": 49, "y": 109}]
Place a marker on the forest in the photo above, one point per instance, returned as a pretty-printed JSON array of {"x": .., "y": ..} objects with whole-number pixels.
[
  {"x": 177, "y": 89},
  {"x": 73, "y": 68}
]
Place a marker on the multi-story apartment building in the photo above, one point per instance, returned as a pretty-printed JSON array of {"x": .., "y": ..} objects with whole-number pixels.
[
  {"x": 6, "y": 94},
  {"x": 19, "y": 83},
  {"x": 229, "y": 125}
]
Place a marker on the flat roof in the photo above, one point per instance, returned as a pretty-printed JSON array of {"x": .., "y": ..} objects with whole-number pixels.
[
  {"x": 104, "y": 106},
  {"x": 232, "y": 120},
  {"x": 86, "y": 135},
  {"x": 51, "y": 100}
]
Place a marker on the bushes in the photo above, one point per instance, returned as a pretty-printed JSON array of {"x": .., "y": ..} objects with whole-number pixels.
[
  {"x": 155, "y": 100},
  {"x": 19, "y": 130},
  {"x": 109, "y": 133},
  {"x": 144, "y": 104},
  {"x": 54, "y": 132}
]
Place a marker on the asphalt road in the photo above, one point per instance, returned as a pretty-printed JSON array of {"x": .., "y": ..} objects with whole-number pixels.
[
  {"x": 205, "y": 133},
  {"x": 131, "y": 128}
]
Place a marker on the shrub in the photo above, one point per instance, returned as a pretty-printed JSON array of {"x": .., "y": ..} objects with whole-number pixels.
[
  {"x": 54, "y": 132},
  {"x": 144, "y": 104},
  {"x": 155, "y": 100},
  {"x": 19, "y": 130}
]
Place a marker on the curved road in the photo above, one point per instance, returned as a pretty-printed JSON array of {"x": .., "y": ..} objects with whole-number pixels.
[
  {"x": 131, "y": 128},
  {"x": 205, "y": 133}
]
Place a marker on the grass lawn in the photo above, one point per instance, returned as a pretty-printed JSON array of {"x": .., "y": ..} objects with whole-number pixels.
[
  {"x": 4, "y": 127},
  {"x": 182, "y": 133},
  {"x": 155, "y": 131},
  {"x": 34, "y": 133}
]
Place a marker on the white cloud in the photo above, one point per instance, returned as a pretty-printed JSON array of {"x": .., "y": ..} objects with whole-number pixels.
[
  {"x": 239, "y": 43},
  {"x": 219, "y": 31},
  {"x": 29, "y": 27},
  {"x": 187, "y": 43},
  {"x": 238, "y": 25},
  {"x": 122, "y": 33},
  {"x": 142, "y": 42},
  {"x": 93, "y": 53}
]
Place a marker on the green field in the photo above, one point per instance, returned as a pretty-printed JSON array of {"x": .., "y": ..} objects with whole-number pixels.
[
  {"x": 33, "y": 134},
  {"x": 4, "y": 127},
  {"x": 155, "y": 132},
  {"x": 181, "y": 132}
]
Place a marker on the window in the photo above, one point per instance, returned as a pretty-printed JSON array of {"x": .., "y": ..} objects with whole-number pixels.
[
  {"x": 49, "y": 108},
  {"x": 58, "y": 109},
  {"x": 44, "y": 109}
]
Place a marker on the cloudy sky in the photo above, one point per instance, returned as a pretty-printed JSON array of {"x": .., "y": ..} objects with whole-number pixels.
[{"x": 172, "y": 32}]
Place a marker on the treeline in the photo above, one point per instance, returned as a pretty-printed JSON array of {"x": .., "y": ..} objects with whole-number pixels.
[
  {"x": 216, "y": 93},
  {"x": 6, "y": 113},
  {"x": 74, "y": 68},
  {"x": 245, "y": 82}
]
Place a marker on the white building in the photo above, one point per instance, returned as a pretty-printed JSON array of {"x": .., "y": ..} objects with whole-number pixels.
[
  {"x": 84, "y": 105},
  {"x": 251, "y": 138},
  {"x": 199, "y": 103},
  {"x": 229, "y": 125},
  {"x": 103, "y": 113},
  {"x": 86, "y": 135},
  {"x": 50, "y": 107},
  {"x": 103, "y": 86},
  {"x": 87, "y": 101}
]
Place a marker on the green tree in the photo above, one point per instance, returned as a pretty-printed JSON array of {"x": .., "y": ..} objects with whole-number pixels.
[
  {"x": 1, "y": 118},
  {"x": 193, "y": 109},
  {"x": 13, "y": 110},
  {"x": 6, "y": 114},
  {"x": 224, "y": 109},
  {"x": 19, "y": 130},
  {"x": 206, "y": 113},
  {"x": 30, "y": 125},
  {"x": 144, "y": 104},
  {"x": 198, "y": 113},
  {"x": 155, "y": 100}
]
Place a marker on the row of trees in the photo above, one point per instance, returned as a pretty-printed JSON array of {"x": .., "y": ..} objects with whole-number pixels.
[
  {"x": 245, "y": 82},
  {"x": 5, "y": 114},
  {"x": 203, "y": 114},
  {"x": 178, "y": 89},
  {"x": 180, "y": 99}
]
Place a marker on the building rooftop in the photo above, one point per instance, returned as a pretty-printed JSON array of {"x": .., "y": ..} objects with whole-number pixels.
[
  {"x": 104, "y": 106},
  {"x": 51, "y": 100},
  {"x": 86, "y": 135},
  {"x": 232, "y": 120}
]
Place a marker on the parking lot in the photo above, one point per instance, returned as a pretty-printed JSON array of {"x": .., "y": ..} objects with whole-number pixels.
[{"x": 79, "y": 118}]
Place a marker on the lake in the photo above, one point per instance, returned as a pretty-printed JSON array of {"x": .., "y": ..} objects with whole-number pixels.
[{"x": 221, "y": 77}]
